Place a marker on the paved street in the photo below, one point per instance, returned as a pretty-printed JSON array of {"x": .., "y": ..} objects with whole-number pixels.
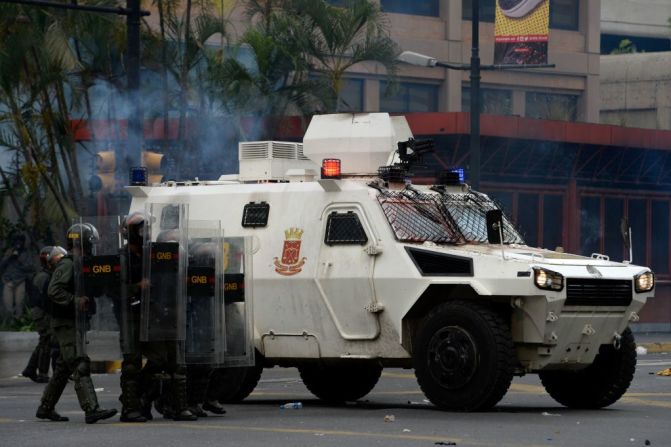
[{"x": 526, "y": 417}]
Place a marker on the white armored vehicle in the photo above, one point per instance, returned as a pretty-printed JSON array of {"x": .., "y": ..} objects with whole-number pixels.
[{"x": 353, "y": 269}]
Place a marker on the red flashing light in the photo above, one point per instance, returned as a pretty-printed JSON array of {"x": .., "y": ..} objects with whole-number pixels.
[{"x": 331, "y": 168}]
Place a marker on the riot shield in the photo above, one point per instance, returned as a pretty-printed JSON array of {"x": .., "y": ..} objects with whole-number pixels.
[
  {"x": 204, "y": 291},
  {"x": 163, "y": 313},
  {"x": 99, "y": 285},
  {"x": 129, "y": 309},
  {"x": 238, "y": 302}
]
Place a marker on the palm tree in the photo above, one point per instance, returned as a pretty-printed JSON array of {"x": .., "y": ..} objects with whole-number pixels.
[
  {"x": 273, "y": 82},
  {"x": 36, "y": 69},
  {"x": 338, "y": 38}
]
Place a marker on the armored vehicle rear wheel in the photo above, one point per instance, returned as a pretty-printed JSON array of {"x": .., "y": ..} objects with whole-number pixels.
[
  {"x": 463, "y": 357},
  {"x": 232, "y": 385},
  {"x": 599, "y": 385},
  {"x": 340, "y": 383}
]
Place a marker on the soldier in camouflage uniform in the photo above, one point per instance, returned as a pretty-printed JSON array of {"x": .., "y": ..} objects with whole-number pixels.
[
  {"x": 63, "y": 324},
  {"x": 132, "y": 378},
  {"x": 37, "y": 369}
]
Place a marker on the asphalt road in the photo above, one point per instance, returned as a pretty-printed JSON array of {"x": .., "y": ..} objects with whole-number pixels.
[{"x": 526, "y": 417}]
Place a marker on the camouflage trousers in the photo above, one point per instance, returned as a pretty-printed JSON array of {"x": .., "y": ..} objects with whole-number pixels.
[{"x": 67, "y": 364}]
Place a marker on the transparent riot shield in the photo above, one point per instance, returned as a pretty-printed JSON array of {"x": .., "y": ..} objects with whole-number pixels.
[
  {"x": 129, "y": 309},
  {"x": 205, "y": 294},
  {"x": 163, "y": 313},
  {"x": 238, "y": 302},
  {"x": 99, "y": 285}
]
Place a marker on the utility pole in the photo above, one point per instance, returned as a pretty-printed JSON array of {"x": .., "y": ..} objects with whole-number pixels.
[
  {"x": 136, "y": 121},
  {"x": 475, "y": 97}
]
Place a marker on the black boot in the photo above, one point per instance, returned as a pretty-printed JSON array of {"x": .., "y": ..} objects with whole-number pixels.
[
  {"x": 131, "y": 408},
  {"x": 88, "y": 400},
  {"x": 30, "y": 370},
  {"x": 99, "y": 414},
  {"x": 179, "y": 400},
  {"x": 52, "y": 393},
  {"x": 50, "y": 414},
  {"x": 214, "y": 407}
]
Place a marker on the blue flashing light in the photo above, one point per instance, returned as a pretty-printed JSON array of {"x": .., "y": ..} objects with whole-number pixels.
[
  {"x": 460, "y": 172},
  {"x": 138, "y": 176}
]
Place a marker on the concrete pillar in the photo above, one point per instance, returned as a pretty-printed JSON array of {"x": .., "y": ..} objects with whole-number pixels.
[
  {"x": 519, "y": 102},
  {"x": 371, "y": 95},
  {"x": 590, "y": 25}
]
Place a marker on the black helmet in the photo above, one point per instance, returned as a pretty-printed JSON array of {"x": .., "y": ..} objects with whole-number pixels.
[
  {"x": 133, "y": 226},
  {"x": 44, "y": 255},
  {"x": 82, "y": 233},
  {"x": 56, "y": 251}
]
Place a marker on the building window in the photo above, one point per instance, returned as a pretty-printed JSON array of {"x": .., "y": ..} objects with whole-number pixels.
[
  {"x": 548, "y": 106},
  {"x": 564, "y": 14},
  {"x": 351, "y": 95},
  {"x": 487, "y": 10},
  {"x": 415, "y": 7},
  {"x": 660, "y": 236},
  {"x": 492, "y": 101},
  {"x": 409, "y": 97}
]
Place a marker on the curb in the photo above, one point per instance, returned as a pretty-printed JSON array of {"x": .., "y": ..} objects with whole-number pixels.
[{"x": 106, "y": 367}]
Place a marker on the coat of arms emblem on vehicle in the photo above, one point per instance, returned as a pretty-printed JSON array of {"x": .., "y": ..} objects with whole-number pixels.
[{"x": 291, "y": 262}]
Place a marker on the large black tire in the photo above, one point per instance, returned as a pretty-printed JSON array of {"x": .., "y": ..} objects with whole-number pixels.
[
  {"x": 340, "y": 383},
  {"x": 232, "y": 385},
  {"x": 599, "y": 385},
  {"x": 464, "y": 357}
]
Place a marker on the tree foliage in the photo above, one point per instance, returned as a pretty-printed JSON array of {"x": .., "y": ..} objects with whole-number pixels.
[{"x": 292, "y": 59}]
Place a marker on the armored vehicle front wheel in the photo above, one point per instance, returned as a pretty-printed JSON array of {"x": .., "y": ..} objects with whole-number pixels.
[
  {"x": 600, "y": 384},
  {"x": 232, "y": 385},
  {"x": 340, "y": 383},
  {"x": 463, "y": 356}
]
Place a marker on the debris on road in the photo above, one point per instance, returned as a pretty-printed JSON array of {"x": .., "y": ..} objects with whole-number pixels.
[
  {"x": 641, "y": 350},
  {"x": 389, "y": 418},
  {"x": 292, "y": 406},
  {"x": 445, "y": 443},
  {"x": 664, "y": 372},
  {"x": 545, "y": 413}
]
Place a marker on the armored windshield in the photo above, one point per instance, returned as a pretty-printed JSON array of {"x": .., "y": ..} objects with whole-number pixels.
[{"x": 443, "y": 218}]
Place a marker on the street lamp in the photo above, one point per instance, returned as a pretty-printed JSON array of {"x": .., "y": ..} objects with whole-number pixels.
[
  {"x": 412, "y": 58},
  {"x": 422, "y": 60}
]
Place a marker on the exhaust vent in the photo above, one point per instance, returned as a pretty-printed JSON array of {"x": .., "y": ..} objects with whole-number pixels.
[{"x": 271, "y": 160}]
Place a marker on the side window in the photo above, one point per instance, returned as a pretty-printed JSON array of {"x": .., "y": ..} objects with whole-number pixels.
[
  {"x": 344, "y": 229},
  {"x": 255, "y": 215}
]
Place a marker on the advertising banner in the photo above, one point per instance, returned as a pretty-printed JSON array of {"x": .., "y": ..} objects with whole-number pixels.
[{"x": 522, "y": 32}]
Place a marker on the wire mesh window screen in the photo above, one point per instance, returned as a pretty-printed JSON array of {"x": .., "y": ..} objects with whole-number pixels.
[
  {"x": 344, "y": 229},
  {"x": 441, "y": 218},
  {"x": 255, "y": 215}
]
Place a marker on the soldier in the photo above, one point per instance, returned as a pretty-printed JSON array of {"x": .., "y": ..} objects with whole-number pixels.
[
  {"x": 132, "y": 230},
  {"x": 163, "y": 352},
  {"x": 80, "y": 237},
  {"x": 16, "y": 267},
  {"x": 37, "y": 302},
  {"x": 200, "y": 326}
]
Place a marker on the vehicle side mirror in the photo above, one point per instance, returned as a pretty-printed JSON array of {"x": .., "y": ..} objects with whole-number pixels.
[{"x": 494, "y": 226}]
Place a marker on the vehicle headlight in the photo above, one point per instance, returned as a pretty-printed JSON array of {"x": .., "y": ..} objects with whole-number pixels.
[
  {"x": 548, "y": 280},
  {"x": 644, "y": 282}
]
